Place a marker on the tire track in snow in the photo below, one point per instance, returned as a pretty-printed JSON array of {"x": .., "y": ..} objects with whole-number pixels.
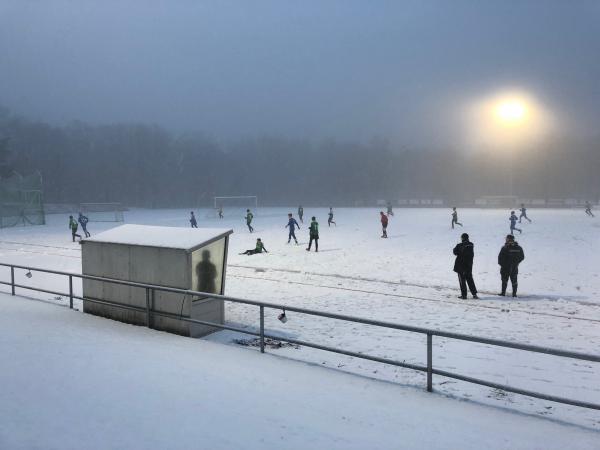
[
  {"x": 411, "y": 297},
  {"x": 38, "y": 253},
  {"x": 396, "y": 283}
]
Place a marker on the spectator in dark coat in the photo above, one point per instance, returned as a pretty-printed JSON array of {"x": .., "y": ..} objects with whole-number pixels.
[
  {"x": 463, "y": 266},
  {"x": 509, "y": 258}
]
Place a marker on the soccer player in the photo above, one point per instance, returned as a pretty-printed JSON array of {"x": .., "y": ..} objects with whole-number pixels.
[
  {"x": 588, "y": 209},
  {"x": 513, "y": 223},
  {"x": 390, "y": 211},
  {"x": 292, "y": 224},
  {"x": 384, "y": 224},
  {"x": 463, "y": 266},
  {"x": 300, "y": 213},
  {"x": 523, "y": 213},
  {"x": 73, "y": 226},
  {"x": 509, "y": 258},
  {"x": 330, "y": 219},
  {"x": 220, "y": 212},
  {"x": 83, "y": 220},
  {"x": 249, "y": 217},
  {"x": 314, "y": 234},
  {"x": 455, "y": 218},
  {"x": 258, "y": 249},
  {"x": 193, "y": 220}
]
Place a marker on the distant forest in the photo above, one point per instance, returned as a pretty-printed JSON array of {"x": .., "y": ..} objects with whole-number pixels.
[{"x": 147, "y": 166}]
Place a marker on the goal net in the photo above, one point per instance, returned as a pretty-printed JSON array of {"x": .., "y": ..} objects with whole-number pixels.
[
  {"x": 102, "y": 212},
  {"x": 236, "y": 202}
]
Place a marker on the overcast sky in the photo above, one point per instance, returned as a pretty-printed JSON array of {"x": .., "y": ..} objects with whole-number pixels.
[{"x": 314, "y": 69}]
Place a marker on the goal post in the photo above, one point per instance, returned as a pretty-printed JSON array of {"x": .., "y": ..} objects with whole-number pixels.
[
  {"x": 102, "y": 212},
  {"x": 236, "y": 201}
]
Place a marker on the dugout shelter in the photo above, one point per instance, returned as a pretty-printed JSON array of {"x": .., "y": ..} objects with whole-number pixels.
[{"x": 184, "y": 258}]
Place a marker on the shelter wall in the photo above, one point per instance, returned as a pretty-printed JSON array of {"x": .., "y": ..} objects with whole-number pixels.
[{"x": 161, "y": 266}]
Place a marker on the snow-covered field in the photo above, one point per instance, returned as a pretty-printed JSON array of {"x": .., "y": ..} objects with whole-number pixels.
[
  {"x": 74, "y": 381},
  {"x": 407, "y": 279}
]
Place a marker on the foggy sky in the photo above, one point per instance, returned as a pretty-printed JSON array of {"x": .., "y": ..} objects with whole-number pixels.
[{"x": 307, "y": 69}]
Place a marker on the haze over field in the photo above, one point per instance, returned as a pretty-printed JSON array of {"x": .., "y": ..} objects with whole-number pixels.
[
  {"x": 344, "y": 82},
  {"x": 342, "y": 69}
]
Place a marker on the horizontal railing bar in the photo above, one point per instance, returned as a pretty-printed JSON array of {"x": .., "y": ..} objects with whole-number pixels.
[
  {"x": 47, "y": 291},
  {"x": 457, "y": 336},
  {"x": 109, "y": 303},
  {"x": 507, "y": 388},
  {"x": 297, "y": 342},
  {"x": 253, "y": 333},
  {"x": 165, "y": 314},
  {"x": 450, "y": 335},
  {"x": 359, "y": 355},
  {"x": 518, "y": 346},
  {"x": 348, "y": 353},
  {"x": 202, "y": 322}
]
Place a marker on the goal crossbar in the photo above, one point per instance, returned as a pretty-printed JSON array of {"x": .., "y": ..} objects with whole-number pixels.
[
  {"x": 247, "y": 199},
  {"x": 102, "y": 212}
]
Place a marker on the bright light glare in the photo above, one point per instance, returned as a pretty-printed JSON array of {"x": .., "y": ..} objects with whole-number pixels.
[
  {"x": 506, "y": 119},
  {"x": 511, "y": 110}
]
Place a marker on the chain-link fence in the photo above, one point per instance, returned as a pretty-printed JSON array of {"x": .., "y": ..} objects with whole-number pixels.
[{"x": 21, "y": 200}]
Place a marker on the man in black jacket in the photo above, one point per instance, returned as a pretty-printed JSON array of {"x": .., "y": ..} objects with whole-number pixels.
[
  {"x": 509, "y": 258},
  {"x": 463, "y": 266}
]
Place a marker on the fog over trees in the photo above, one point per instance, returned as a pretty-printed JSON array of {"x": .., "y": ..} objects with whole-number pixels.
[
  {"x": 147, "y": 166},
  {"x": 162, "y": 103}
]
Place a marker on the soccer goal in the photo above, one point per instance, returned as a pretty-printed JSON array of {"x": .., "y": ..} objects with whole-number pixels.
[
  {"x": 102, "y": 212},
  {"x": 240, "y": 201}
]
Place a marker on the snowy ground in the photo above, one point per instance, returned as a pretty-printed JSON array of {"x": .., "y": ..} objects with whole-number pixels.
[
  {"x": 73, "y": 381},
  {"x": 407, "y": 279}
]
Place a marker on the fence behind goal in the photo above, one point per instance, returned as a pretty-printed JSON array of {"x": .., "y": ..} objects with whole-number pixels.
[
  {"x": 102, "y": 212},
  {"x": 497, "y": 201},
  {"x": 21, "y": 201}
]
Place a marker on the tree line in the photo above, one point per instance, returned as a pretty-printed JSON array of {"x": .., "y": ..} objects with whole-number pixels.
[{"x": 147, "y": 166}]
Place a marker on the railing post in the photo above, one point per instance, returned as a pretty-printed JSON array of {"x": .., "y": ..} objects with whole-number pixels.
[
  {"x": 429, "y": 362},
  {"x": 262, "y": 329},
  {"x": 70, "y": 291},
  {"x": 148, "y": 307},
  {"x": 12, "y": 279},
  {"x": 152, "y": 305}
]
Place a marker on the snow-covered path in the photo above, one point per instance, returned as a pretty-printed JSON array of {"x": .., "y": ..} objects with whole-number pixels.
[
  {"x": 405, "y": 279},
  {"x": 72, "y": 381}
]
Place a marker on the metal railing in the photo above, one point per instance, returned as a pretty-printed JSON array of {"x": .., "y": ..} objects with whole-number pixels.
[{"x": 150, "y": 290}]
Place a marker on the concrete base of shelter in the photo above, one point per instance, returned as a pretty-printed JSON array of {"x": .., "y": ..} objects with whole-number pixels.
[{"x": 207, "y": 310}]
